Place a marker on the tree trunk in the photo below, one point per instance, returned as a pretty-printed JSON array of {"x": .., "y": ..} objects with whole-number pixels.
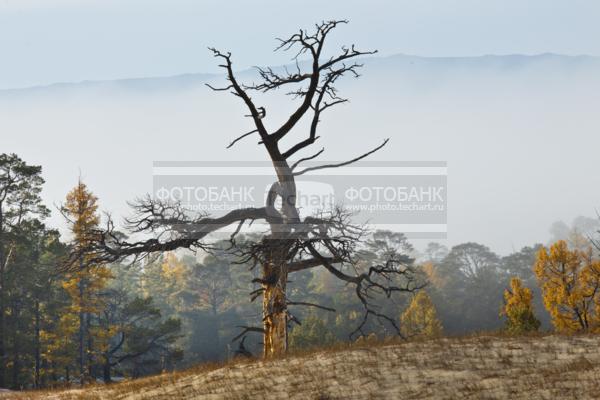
[
  {"x": 36, "y": 378},
  {"x": 2, "y": 302},
  {"x": 274, "y": 301},
  {"x": 81, "y": 337},
  {"x": 2, "y": 326},
  {"x": 48, "y": 375},
  {"x": 90, "y": 346},
  {"x": 106, "y": 370},
  {"x": 16, "y": 359}
]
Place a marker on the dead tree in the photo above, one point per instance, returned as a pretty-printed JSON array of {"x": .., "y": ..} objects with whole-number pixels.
[{"x": 293, "y": 243}]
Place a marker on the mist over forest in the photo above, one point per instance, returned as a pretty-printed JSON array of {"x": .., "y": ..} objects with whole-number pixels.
[{"x": 500, "y": 122}]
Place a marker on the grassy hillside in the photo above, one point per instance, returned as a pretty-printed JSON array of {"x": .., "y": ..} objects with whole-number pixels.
[{"x": 482, "y": 367}]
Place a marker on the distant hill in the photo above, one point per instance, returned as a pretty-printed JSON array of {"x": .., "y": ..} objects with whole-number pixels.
[
  {"x": 401, "y": 64},
  {"x": 484, "y": 367}
]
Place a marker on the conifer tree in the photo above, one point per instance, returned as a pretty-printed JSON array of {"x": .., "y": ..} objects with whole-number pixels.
[
  {"x": 20, "y": 201},
  {"x": 85, "y": 285},
  {"x": 570, "y": 283},
  {"x": 518, "y": 309},
  {"x": 420, "y": 318}
]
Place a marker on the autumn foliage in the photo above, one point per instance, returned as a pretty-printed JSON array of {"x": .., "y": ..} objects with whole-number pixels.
[
  {"x": 518, "y": 309},
  {"x": 420, "y": 318},
  {"x": 570, "y": 283},
  {"x": 84, "y": 286}
]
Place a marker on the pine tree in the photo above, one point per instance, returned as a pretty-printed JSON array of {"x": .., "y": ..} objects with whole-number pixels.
[
  {"x": 420, "y": 318},
  {"x": 20, "y": 202},
  {"x": 518, "y": 309}
]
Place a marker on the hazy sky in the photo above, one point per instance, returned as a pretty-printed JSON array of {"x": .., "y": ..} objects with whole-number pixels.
[{"x": 46, "y": 41}]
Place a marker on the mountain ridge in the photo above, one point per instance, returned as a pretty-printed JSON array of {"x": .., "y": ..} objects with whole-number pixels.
[{"x": 185, "y": 79}]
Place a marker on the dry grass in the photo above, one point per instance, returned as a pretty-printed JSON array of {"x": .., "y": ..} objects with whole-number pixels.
[{"x": 481, "y": 366}]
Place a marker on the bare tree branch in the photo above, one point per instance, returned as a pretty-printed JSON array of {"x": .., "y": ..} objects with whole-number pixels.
[
  {"x": 247, "y": 329},
  {"x": 342, "y": 163},
  {"x": 240, "y": 92},
  {"x": 163, "y": 219},
  {"x": 304, "y": 303},
  {"x": 310, "y": 263},
  {"x": 317, "y": 154},
  {"x": 241, "y": 137},
  {"x": 378, "y": 279}
]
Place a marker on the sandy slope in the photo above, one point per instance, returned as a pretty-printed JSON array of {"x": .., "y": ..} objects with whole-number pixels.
[{"x": 550, "y": 367}]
